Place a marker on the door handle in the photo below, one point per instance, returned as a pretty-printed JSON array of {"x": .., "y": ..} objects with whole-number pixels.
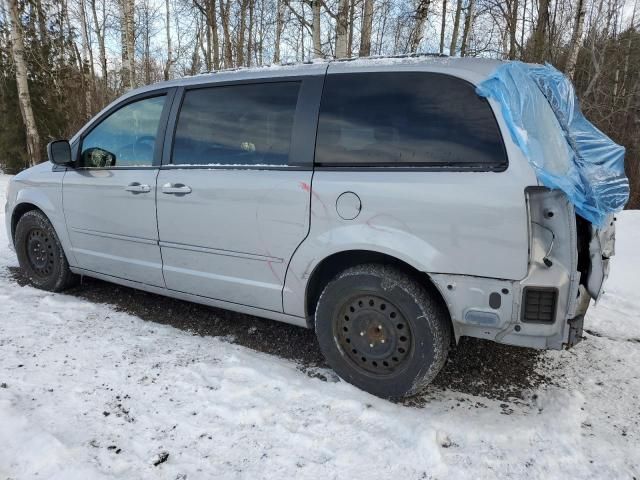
[
  {"x": 136, "y": 187},
  {"x": 176, "y": 189}
]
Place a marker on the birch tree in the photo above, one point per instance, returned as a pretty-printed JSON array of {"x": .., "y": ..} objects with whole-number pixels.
[
  {"x": 22, "y": 81},
  {"x": 574, "y": 44}
]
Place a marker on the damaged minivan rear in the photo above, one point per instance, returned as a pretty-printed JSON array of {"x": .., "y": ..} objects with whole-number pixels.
[{"x": 392, "y": 205}]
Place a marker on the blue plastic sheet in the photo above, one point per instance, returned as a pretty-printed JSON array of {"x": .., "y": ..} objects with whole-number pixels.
[{"x": 567, "y": 152}]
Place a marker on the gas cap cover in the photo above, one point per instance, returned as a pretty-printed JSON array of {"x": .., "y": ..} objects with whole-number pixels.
[{"x": 348, "y": 205}]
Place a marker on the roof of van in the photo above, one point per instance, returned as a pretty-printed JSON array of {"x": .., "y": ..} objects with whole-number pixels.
[{"x": 472, "y": 69}]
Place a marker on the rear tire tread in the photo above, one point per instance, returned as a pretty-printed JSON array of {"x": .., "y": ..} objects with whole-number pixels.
[{"x": 432, "y": 313}]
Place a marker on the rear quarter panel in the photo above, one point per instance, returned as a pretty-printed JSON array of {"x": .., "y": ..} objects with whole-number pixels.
[{"x": 466, "y": 223}]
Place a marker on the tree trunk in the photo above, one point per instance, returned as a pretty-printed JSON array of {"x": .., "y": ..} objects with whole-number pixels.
[
  {"x": 241, "y": 32},
  {"x": 127, "y": 26},
  {"x": 279, "y": 15},
  {"x": 513, "y": 29},
  {"x": 540, "y": 33},
  {"x": 87, "y": 59},
  {"x": 226, "y": 31},
  {"x": 422, "y": 10},
  {"x": 444, "y": 24},
  {"x": 315, "y": 26},
  {"x": 574, "y": 45},
  {"x": 468, "y": 25},
  {"x": 101, "y": 48},
  {"x": 147, "y": 46},
  {"x": 342, "y": 28},
  {"x": 456, "y": 29},
  {"x": 367, "y": 27},
  {"x": 352, "y": 14},
  {"x": 167, "y": 66},
  {"x": 24, "y": 98},
  {"x": 250, "y": 33},
  {"x": 215, "y": 41}
]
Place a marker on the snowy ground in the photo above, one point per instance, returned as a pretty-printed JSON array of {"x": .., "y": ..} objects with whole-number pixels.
[{"x": 89, "y": 392}]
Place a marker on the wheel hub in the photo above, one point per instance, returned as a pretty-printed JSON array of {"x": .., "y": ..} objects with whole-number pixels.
[
  {"x": 40, "y": 252},
  {"x": 373, "y": 334}
]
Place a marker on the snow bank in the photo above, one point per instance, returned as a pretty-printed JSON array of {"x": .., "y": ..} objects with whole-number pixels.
[{"x": 89, "y": 392}]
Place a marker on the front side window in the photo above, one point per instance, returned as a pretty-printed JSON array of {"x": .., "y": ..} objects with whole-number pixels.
[
  {"x": 236, "y": 125},
  {"x": 126, "y": 138},
  {"x": 406, "y": 119}
]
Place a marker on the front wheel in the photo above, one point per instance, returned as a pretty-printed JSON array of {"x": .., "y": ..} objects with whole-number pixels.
[
  {"x": 40, "y": 253},
  {"x": 381, "y": 330}
]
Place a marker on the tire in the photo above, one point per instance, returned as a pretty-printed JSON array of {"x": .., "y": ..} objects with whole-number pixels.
[
  {"x": 382, "y": 331},
  {"x": 40, "y": 253}
]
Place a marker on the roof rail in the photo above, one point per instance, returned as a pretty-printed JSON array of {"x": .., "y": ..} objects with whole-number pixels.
[
  {"x": 405, "y": 55},
  {"x": 328, "y": 60}
]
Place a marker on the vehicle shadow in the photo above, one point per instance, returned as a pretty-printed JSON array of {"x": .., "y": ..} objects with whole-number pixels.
[{"x": 475, "y": 367}]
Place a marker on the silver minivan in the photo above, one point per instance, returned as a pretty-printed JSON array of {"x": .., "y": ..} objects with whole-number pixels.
[{"x": 383, "y": 204}]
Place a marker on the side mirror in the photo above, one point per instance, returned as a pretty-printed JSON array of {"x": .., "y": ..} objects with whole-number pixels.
[{"x": 59, "y": 152}]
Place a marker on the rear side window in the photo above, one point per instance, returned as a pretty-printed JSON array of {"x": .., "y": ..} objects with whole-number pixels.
[
  {"x": 236, "y": 125},
  {"x": 406, "y": 119}
]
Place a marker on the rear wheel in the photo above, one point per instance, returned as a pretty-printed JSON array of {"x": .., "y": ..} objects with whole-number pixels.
[
  {"x": 381, "y": 330},
  {"x": 40, "y": 253}
]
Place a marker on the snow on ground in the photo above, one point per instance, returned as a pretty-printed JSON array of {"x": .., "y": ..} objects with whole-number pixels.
[{"x": 87, "y": 392}]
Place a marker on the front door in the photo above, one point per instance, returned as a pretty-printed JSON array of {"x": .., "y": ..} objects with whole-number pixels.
[
  {"x": 109, "y": 199},
  {"x": 233, "y": 205}
]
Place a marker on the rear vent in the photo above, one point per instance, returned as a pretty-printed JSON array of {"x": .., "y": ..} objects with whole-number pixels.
[{"x": 539, "y": 304}]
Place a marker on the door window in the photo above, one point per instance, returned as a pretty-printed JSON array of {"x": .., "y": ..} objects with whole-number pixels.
[
  {"x": 406, "y": 118},
  {"x": 126, "y": 138},
  {"x": 236, "y": 125}
]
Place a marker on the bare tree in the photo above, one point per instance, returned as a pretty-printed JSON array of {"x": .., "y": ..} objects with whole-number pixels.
[
  {"x": 541, "y": 30},
  {"x": 574, "y": 44},
  {"x": 127, "y": 26},
  {"x": 420, "y": 15},
  {"x": 512, "y": 25},
  {"x": 342, "y": 28},
  {"x": 167, "y": 65},
  {"x": 316, "y": 26},
  {"x": 456, "y": 28},
  {"x": 443, "y": 26},
  {"x": 24, "y": 98},
  {"x": 99, "y": 29},
  {"x": 365, "y": 31},
  {"x": 278, "y": 34},
  {"x": 468, "y": 25},
  {"x": 87, "y": 58},
  {"x": 225, "y": 8}
]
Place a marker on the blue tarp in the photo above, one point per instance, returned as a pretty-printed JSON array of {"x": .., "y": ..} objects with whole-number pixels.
[{"x": 567, "y": 152}]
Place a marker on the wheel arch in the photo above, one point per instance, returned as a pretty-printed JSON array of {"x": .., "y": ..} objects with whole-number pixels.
[
  {"x": 18, "y": 211},
  {"x": 333, "y": 264}
]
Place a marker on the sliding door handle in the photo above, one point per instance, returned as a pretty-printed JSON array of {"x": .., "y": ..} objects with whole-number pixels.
[
  {"x": 176, "y": 189},
  {"x": 137, "y": 187}
]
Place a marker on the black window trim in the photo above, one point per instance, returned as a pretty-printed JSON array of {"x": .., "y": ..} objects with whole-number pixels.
[
  {"x": 305, "y": 122},
  {"x": 162, "y": 126},
  {"x": 418, "y": 166}
]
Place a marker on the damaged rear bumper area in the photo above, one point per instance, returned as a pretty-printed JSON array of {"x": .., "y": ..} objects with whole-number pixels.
[{"x": 567, "y": 267}]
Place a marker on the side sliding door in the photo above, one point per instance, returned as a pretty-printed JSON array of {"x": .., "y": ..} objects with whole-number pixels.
[{"x": 234, "y": 195}]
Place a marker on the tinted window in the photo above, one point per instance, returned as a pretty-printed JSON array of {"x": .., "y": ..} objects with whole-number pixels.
[
  {"x": 236, "y": 125},
  {"x": 405, "y": 118},
  {"x": 125, "y": 138}
]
